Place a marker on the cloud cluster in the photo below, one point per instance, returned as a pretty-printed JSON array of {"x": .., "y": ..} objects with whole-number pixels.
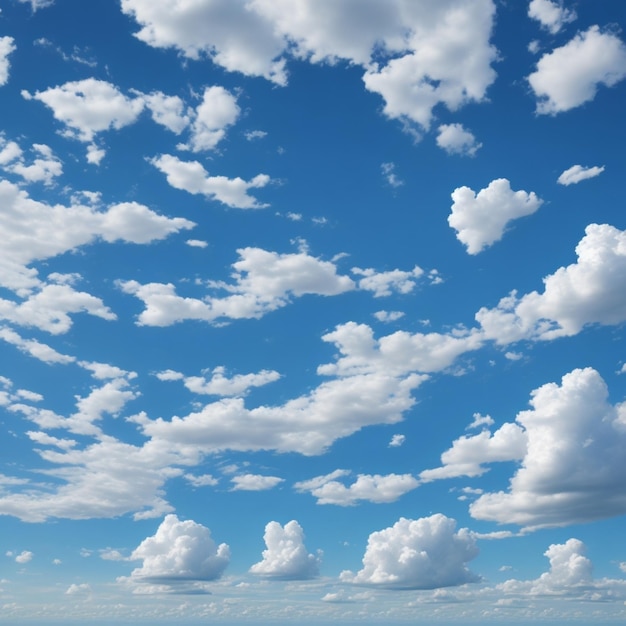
[
  {"x": 480, "y": 219},
  {"x": 570, "y": 75},
  {"x": 415, "y": 55},
  {"x": 45, "y": 166},
  {"x": 426, "y": 553},
  {"x": 286, "y": 556}
]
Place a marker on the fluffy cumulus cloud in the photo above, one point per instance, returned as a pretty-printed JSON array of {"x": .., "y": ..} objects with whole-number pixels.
[
  {"x": 7, "y": 45},
  {"x": 24, "y": 557},
  {"x": 426, "y": 553},
  {"x": 168, "y": 111},
  {"x": 90, "y": 106},
  {"x": 576, "y": 173},
  {"x": 575, "y": 458},
  {"x": 191, "y": 176},
  {"x": 569, "y": 576},
  {"x": 264, "y": 281},
  {"x": 590, "y": 291},
  {"x": 415, "y": 55},
  {"x": 217, "y": 111},
  {"x": 455, "y": 139},
  {"x": 179, "y": 551},
  {"x": 366, "y": 488},
  {"x": 286, "y": 556},
  {"x": 551, "y": 14},
  {"x": 480, "y": 219},
  {"x": 570, "y": 75}
]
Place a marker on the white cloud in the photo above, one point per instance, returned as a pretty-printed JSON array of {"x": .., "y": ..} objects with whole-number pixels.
[
  {"x": 576, "y": 173},
  {"x": 286, "y": 556},
  {"x": 467, "y": 454},
  {"x": 480, "y": 420},
  {"x": 433, "y": 52},
  {"x": 220, "y": 385},
  {"x": 251, "y": 135},
  {"x": 367, "y": 488},
  {"x": 255, "y": 482},
  {"x": 307, "y": 424},
  {"x": 550, "y": 14},
  {"x": 205, "y": 480},
  {"x": 38, "y": 4},
  {"x": 397, "y": 441},
  {"x": 394, "y": 354},
  {"x": 231, "y": 34},
  {"x": 44, "y": 167},
  {"x": 455, "y": 139},
  {"x": 264, "y": 281},
  {"x": 388, "y": 316},
  {"x": 481, "y": 219},
  {"x": 90, "y": 106},
  {"x": 7, "y": 46},
  {"x": 34, "y": 348},
  {"x": 425, "y": 553},
  {"x": 179, "y": 552},
  {"x": 570, "y": 75},
  {"x": 76, "y": 589},
  {"x": 24, "y": 557},
  {"x": 575, "y": 458},
  {"x": 168, "y": 111},
  {"x": 569, "y": 576},
  {"x": 385, "y": 283},
  {"x": 388, "y": 170},
  {"x": 191, "y": 176},
  {"x": 590, "y": 291},
  {"x": 217, "y": 111},
  {"x": 196, "y": 243}
]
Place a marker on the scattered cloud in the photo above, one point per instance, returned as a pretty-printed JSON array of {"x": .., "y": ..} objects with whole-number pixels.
[
  {"x": 366, "y": 488},
  {"x": 570, "y": 75},
  {"x": 551, "y": 14},
  {"x": 255, "y": 482},
  {"x": 191, "y": 176},
  {"x": 480, "y": 219},
  {"x": 286, "y": 556},
  {"x": 388, "y": 170},
  {"x": 455, "y": 139},
  {"x": 388, "y": 316},
  {"x": 426, "y": 553},
  {"x": 576, "y": 173},
  {"x": 383, "y": 284},
  {"x": 397, "y": 441},
  {"x": 24, "y": 557}
]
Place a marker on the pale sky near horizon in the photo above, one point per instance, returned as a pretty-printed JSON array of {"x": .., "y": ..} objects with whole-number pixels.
[{"x": 312, "y": 311}]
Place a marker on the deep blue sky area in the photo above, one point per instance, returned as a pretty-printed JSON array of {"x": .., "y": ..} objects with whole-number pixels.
[{"x": 312, "y": 311}]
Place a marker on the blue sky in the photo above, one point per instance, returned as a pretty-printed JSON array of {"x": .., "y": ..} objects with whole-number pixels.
[{"x": 312, "y": 311}]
